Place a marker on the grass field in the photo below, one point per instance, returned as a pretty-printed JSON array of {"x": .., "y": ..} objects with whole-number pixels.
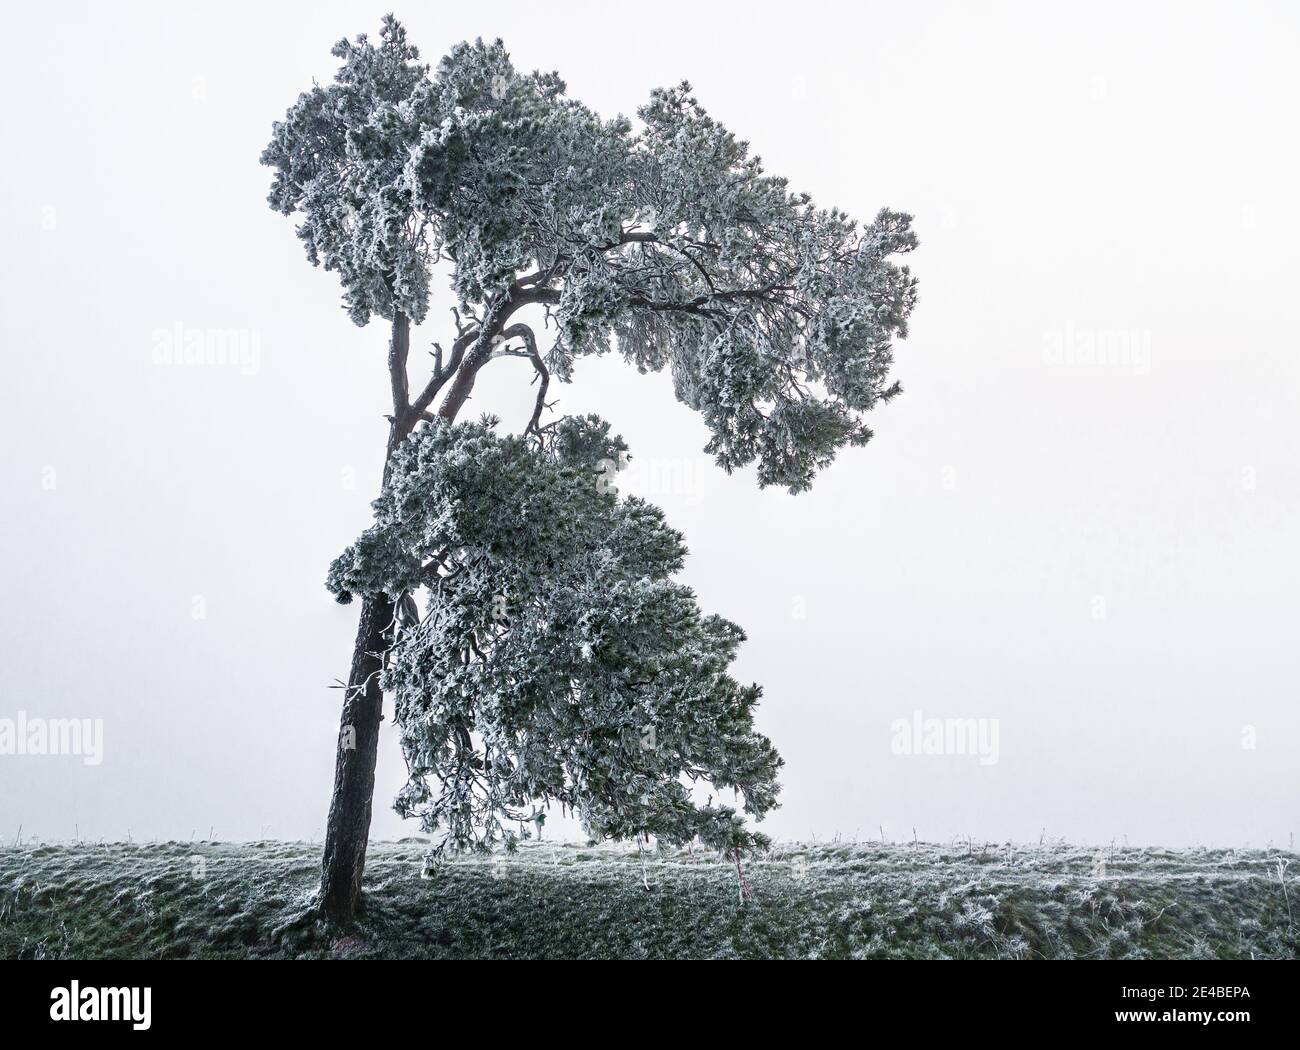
[{"x": 836, "y": 900}]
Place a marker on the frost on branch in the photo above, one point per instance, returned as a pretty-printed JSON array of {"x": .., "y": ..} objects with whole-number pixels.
[
  {"x": 555, "y": 660},
  {"x": 664, "y": 239}
]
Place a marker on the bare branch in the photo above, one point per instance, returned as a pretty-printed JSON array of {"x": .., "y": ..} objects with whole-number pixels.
[
  {"x": 522, "y": 331},
  {"x": 420, "y": 406},
  {"x": 398, "y": 349},
  {"x": 480, "y": 341}
]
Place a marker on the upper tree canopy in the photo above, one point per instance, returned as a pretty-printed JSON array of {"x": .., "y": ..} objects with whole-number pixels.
[{"x": 664, "y": 239}]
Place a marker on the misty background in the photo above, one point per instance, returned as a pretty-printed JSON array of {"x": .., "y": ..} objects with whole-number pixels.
[{"x": 1079, "y": 520}]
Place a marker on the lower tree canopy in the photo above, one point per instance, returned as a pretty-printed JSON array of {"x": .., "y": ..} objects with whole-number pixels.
[{"x": 543, "y": 652}]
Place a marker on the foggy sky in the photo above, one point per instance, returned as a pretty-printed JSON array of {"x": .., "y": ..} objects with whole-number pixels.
[{"x": 1079, "y": 520}]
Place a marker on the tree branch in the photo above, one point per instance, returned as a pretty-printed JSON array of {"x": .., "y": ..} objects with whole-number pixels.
[
  {"x": 441, "y": 373},
  {"x": 522, "y": 331},
  {"x": 478, "y": 349},
  {"x": 398, "y": 349}
]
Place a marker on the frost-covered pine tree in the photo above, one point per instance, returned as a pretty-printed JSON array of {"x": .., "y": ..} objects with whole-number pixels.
[{"x": 551, "y": 637}]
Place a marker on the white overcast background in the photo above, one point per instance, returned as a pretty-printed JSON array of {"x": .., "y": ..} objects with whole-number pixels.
[{"x": 1101, "y": 556}]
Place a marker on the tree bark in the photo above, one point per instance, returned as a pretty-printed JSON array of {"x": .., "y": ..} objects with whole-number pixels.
[{"x": 347, "y": 829}]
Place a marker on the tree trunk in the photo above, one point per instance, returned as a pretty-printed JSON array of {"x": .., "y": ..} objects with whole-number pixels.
[
  {"x": 354, "y": 767},
  {"x": 348, "y": 827}
]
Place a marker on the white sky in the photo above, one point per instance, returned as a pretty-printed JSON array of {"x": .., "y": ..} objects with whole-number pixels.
[{"x": 1122, "y": 171}]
